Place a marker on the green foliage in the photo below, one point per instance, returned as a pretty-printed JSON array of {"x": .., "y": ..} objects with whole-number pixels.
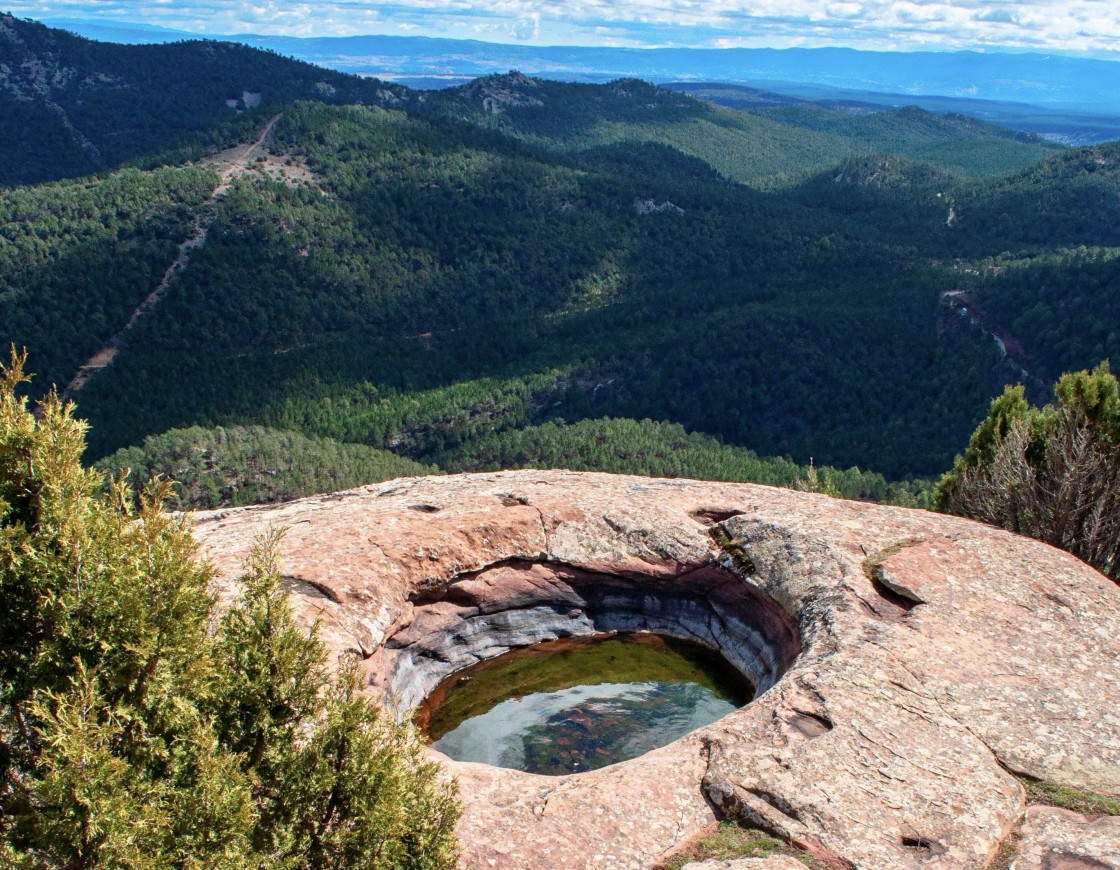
[
  {"x": 368, "y": 797},
  {"x": 766, "y": 147},
  {"x": 1060, "y": 306},
  {"x": 1074, "y": 799},
  {"x": 446, "y": 261},
  {"x": 102, "y": 647},
  {"x": 900, "y": 197},
  {"x": 1006, "y": 411},
  {"x": 253, "y": 464},
  {"x": 356, "y": 791},
  {"x": 133, "y": 737},
  {"x": 731, "y": 842},
  {"x": 1067, "y": 200},
  {"x": 823, "y": 481},
  {"x": 955, "y": 142},
  {"x": 520, "y": 252},
  {"x": 1051, "y": 473},
  {"x": 76, "y": 258},
  {"x": 661, "y": 449},
  {"x": 569, "y": 117}
]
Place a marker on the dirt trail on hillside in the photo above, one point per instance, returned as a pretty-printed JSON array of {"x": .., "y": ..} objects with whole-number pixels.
[{"x": 230, "y": 164}]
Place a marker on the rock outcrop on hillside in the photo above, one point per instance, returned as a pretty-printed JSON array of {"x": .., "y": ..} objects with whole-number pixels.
[{"x": 910, "y": 663}]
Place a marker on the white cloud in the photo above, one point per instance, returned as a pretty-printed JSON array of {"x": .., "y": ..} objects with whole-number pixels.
[
  {"x": 1081, "y": 25},
  {"x": 843, "y": 11}
]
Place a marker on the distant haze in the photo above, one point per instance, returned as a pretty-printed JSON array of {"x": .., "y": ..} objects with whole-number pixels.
[
  {"x": 1091, "y": 26},
  {"x": 1056, "y": 81}
]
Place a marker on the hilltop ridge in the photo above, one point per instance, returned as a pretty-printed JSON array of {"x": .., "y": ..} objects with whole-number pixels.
[{"x": 71, "y": 106}]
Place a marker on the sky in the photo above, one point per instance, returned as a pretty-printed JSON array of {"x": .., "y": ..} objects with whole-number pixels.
[{"x": 1068, "y": 26}]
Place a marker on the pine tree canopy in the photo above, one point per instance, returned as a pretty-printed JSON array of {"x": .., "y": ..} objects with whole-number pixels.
[
  {"x": 140, "y": 728},
  {"x": 1052, "y": 473}
]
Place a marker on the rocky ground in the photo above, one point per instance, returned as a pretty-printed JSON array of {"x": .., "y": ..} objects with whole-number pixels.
[{"x": 934, "y": 663}]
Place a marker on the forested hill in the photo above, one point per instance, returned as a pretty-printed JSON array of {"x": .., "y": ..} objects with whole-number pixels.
[
  {"x": 764, "y": 148},
  {"x": 1066, "y": 125},
  {"x": 525, "y": 272},
  {"x": 70, "y": 106}
]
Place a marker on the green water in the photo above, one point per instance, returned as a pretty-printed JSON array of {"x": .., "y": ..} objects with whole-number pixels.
[{"x": 576, "y": 705}]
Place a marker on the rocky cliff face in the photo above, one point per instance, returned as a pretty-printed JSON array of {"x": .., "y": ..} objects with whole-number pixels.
[{"x": 910, "y": 663}]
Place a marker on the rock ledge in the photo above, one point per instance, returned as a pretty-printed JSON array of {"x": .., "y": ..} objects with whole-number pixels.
[{"x": 916, "y": 660}]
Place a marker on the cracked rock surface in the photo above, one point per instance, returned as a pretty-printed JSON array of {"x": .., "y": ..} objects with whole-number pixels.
[
  {"x": 1055, "y": 839},
  {"x": 936, "y": 656}
]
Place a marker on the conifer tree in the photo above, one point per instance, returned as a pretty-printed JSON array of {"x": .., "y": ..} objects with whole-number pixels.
[
  {"x": 1051, "y": 473},
  {"x": 134, "y": 736}
]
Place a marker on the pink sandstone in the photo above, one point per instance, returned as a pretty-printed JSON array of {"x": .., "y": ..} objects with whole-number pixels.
[
  {"x": 1055, "y": 839},
  {"x": 911, "y": 662}
]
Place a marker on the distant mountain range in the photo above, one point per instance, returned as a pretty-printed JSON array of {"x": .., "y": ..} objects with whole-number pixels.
[
  {"x": 1057, "y": 81},
  {"x": 1068, "y": 99},
  {"x": 1067, "y": 127}
]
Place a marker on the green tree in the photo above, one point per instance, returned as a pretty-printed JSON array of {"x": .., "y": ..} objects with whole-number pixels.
[
  {"x": 1052, "y": 473},
  {"x": 253, "y": 464},
  {"x": 133, "y": 736}
]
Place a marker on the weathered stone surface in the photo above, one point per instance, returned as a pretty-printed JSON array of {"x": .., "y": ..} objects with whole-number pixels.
[
  {"x": 628, "y": 818},
  {"x": 1055, "y": 839},
  {"x": 778, "y": 862},
  {"x": 934, "y": 655}
]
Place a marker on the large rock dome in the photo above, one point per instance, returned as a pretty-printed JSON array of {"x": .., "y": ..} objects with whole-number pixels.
[{"x": 913, "y": 667}]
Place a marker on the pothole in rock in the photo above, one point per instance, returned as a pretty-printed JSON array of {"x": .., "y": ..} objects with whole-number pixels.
[
  {"x": 557, "y": 670},
  {"x": 578, "y": 704}
]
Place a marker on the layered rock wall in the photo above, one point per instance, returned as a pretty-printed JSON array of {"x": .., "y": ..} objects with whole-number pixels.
[{"x": 515, "y": 605}]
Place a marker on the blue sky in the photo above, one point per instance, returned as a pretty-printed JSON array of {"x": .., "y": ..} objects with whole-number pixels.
[{"x": 1089, "y": 26}]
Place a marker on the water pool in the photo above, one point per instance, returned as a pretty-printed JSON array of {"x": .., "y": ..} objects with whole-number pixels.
[{"x": 573, "y": 705}]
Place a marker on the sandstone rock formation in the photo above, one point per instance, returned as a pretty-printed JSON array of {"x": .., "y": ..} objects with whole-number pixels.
[
  {"x": 908, "y": 663},
  {"x": 1055, "y": 839}
]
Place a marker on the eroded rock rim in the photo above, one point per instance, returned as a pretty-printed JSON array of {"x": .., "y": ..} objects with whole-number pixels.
[{"x": 487, "y": 613}]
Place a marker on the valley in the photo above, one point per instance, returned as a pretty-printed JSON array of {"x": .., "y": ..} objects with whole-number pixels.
[{"x": 486, "y": 275}]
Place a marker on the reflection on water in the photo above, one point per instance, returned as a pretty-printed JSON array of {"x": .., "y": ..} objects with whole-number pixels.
[
  {"x": 504, "y": 714},
  {"x": 583, "y": 727}
]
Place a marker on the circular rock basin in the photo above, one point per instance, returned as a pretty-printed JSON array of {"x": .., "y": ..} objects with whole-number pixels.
[{"x": 579, "y": 704}]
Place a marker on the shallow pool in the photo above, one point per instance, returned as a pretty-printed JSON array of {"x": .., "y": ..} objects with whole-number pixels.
[{"x": 573, "y": 705}]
